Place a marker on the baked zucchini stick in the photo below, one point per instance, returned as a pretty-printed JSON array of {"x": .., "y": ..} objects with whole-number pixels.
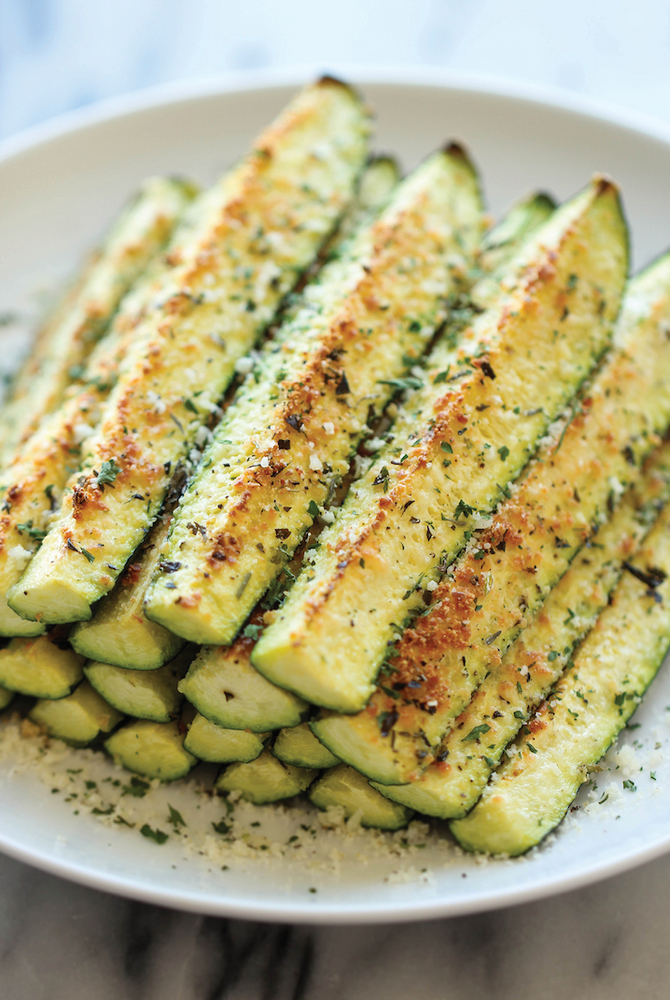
[
  {"x": 504, "y": 702},
  {"x": 6, "y": 697},
  {"x": 139, "y": 234},
  {"x": 78, "y": 719},
  {"x": 300, "y": 747},
  {"x": 119, "y": 632},
  {"x": 45, "y": 667},
  {"x": 264, "y": 224},
  {"x": 344, "y": 787},
  {"x": 152, "y": 749},
  {"x": 510, "y": 566},
  {"x": 32, "y": 484},
  {"x": 213, "y": 743},
  {"x": 456, "y": 447},
  {"x": 144, "y": 694},
  {"x": 265, "y": 779},
  {"x": 222, "y": 683},
  {"x": 531, "y": 791},
  {"x": 284, "y": 443}
]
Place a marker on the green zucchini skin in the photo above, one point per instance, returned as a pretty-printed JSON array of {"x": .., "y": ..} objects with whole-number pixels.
[
  {"x": 576, "y": 479},
  {"x": 265, "y": 779},
  {"x": 390, "y": 536},
  {"x": 78, "y": 719},
  {"x": 300, "y": 747},
  {"x": 515, "y": 689},
  {"x": 287, "y": 438},
  {"x": 63, "y": 345},
  {"x": 261, "y": 226},
  {"x": 531, "y": 791},
  {"x": 152, "y": 749},
  {"x": 343, "y": 786},
  {"x": 144, "y": 694},
  {"x": 224, "y": 687},
  {"x": 40, "y": 668},
  {"x": 212, "y": 743}
]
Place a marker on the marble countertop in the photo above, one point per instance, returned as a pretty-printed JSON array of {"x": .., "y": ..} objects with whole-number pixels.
[{"x": 59, "y": 940}]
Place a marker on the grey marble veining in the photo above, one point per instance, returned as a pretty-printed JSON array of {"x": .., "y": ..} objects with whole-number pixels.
[
  {"x": 59, "y": 941},
  {"x": 63, "y": 942}
]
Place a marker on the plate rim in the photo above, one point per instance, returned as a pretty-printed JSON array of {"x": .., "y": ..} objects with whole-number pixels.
[{"x": 184, "y": 91}]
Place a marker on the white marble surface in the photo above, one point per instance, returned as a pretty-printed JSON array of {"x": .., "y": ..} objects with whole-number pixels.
[{"x": 59, "y": 940}]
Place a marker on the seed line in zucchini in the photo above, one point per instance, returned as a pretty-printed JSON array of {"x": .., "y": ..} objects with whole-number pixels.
[
  {"x": 138, "y": 235},
  {"x": 283, "y": 444},
  {"x": 512, "y": 692},
  {"x": 511, "y": 565},
  {"x": 456, "y": 447},
  {"x": 31, "y": 485},
  {"x": 543, "y": 770},
  {"x": 221, "y": 682},
  {"x": 264, "y": 224}
]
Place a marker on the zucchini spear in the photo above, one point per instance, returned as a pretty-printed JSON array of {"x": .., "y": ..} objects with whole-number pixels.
[
  {"x": 532, "y": 790},
  {"x": 78, "y": 719},
  {"x": 501, "y": 581},
  {"x": 144, "y": 694},
  {"x": 263, "y": 225},
  {"x": 45, "y": 667},
  {"x": 287, "y": 438},
  {"x": 213, "y": 743},
  {"x": 460, "y": 440},
  {"x": 515, "y": 688},
  {"x": 63, "y": 345},
  {"x": 265, "y": 779},
  {"x": 152, "y": 749},
  {"x": 342, "y": 786}
]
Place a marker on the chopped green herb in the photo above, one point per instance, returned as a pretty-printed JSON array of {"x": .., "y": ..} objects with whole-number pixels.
[
  {"x": 475, "y": 733},
  {"x": 108, "y": 472},
  {"x": 503, "y": 452},
  {"x": 152, "y": 834}
]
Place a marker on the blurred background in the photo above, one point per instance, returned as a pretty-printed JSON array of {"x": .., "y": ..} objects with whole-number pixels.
[{"x": 56, "y": 55}]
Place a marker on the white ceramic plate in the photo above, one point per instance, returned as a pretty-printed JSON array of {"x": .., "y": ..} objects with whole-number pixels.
[{"x": 59, "y": 185}]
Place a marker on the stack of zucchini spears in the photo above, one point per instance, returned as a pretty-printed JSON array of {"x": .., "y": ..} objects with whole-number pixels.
[{"x": 313, "y": 477}]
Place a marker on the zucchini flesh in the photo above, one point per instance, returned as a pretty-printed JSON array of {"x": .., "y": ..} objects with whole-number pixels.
[
  {"x": 31, "y": 485},
  {"x": 343, "y": 786},
  {"x": 284, "y": 443},
  {"x": 262, "y": 226},
  {"x": 300, "y": 747},
  {"x": 532, "y": 790},
  {"x": 6, "y": 698},
  {"x": 265, "y": 779},
  {"x": 119, "y": 632},
  {"x": 152, "y": 749},
  {"x": 78, "y": 719},
  {"x": 409, "y": 514},
  {"x": 138, "y": 235},
  {"x": 224, "y": 687},
  {"x": 213, "y": 743},
  {"x": 45, "y": 667},
  {"x": 509, "y": 695},
  {"x": 143, "y": 694},
  {"x": 511, "y": 565}
]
